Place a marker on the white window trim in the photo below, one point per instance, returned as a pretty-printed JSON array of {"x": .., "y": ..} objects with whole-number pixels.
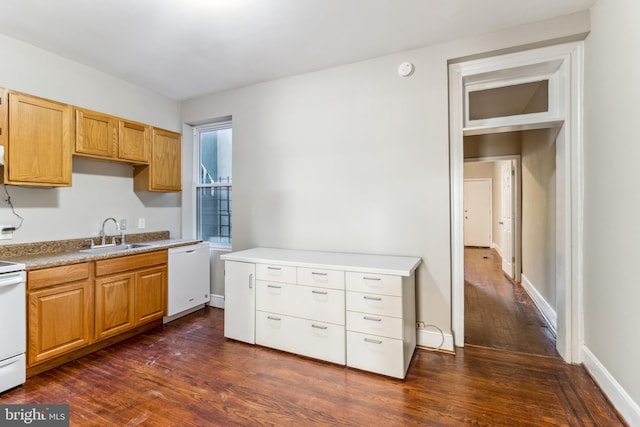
[{"x": 216, "y": 125}]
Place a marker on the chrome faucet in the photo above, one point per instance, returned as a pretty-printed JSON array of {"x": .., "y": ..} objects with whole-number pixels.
[{"x": 102, "y": 235}]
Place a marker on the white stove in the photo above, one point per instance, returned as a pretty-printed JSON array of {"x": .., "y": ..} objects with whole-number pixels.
[{"x": 13, "y": 325}]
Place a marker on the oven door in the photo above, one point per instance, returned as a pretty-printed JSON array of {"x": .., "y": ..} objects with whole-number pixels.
[{"x": 13, "y": 315}]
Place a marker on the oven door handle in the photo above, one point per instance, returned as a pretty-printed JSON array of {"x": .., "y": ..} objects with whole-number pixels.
[{"x": 11, "y": 281}]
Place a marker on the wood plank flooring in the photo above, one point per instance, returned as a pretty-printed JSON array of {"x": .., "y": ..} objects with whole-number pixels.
[
  {"x": 498, "y": 312},
  {"x": 188, "y": 374}
]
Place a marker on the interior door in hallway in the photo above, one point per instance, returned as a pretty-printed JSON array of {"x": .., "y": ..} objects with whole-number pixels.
[
  {"x": 477, "y": 212},
  {"x": 506, "y": 220}
]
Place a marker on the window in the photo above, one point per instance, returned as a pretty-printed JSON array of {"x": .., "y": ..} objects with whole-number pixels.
[{"x": 213, "y": 182}]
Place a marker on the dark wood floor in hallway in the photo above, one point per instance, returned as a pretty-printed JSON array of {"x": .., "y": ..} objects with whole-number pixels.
[
  {"x": 188, "y": 374},
  {"x": 498, "y": 313}
]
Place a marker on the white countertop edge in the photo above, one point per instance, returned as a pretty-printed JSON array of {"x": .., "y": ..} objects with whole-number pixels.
[{"x": 360, "y": 263}]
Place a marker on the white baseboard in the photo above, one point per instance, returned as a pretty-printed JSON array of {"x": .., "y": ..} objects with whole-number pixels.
[
  {"x": 498, "y": 249},
  {"x": 216, "y": 301},
  {"x": 547, "y": 311},
  {"x": 617, "y": 395},
  {"x": 434, "y": 339}
]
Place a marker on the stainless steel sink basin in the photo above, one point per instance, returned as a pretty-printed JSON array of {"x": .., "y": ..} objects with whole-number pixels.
[{"x": 106, "y": 249}]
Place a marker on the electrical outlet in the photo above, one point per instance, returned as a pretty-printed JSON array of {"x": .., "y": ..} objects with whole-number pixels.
[
  {"x": 419, "y": 325},
  {"x": 141, "y": 223},
  {"x": 123, "y": 224}
]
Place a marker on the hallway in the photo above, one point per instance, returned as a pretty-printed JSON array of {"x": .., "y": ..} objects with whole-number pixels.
[{"x": 498, "y": 313}]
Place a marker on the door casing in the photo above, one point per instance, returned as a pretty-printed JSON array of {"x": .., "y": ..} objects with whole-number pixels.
[{"x": 567, "y": 60}]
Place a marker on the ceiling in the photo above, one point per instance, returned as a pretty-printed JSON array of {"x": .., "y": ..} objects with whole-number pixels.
[{"x": 186, "y": 48}]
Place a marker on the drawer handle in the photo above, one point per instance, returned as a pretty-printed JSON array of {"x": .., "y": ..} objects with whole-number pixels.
[
  {"x": 251, "y": 281},
  {"x": 315, "y": 273},
  {"x": 274, "y": 286},
  {"x": 372, "y": 298},
  {"x": 320, "y": 292},
  {"x": 373, "y": 319},
  {"x": 372, "y": 341},
  {"x": 274, "y": 268},
  {"x": 377, "y": 279},
  {"x": 319, "y": 326},
  {"x": 274, "y": 318}
]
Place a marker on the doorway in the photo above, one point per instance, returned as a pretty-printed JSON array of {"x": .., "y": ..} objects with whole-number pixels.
[
  {"x": 560, "y": 67},
  {"x": 500, "y": 312}
]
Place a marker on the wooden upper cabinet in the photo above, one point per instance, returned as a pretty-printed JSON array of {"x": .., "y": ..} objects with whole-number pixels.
[
  {"x": 38, "y": 135},
  {"x": 103, "y": 136},
  {"x": 134, "y": 141},
  {"x": 96, "y": 134},
  {"x": 164, "y": 172}
]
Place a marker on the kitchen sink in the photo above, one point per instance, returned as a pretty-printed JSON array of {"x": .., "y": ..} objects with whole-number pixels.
[{"x": 107, "y": 249}]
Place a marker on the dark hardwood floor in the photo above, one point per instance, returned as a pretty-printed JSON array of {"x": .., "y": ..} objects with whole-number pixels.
[
  {"x": 188, "y": 374},
  {"x": 498, "y": 312}
]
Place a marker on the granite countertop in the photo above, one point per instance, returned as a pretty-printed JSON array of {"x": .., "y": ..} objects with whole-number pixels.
[{"x": 64, "y": 252}]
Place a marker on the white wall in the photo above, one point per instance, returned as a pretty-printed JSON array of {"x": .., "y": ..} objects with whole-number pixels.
[
  {"x": 356, "y": 158},
  {"x": 539, "y": 212},
  {"x": 100, "y": 189},
  {"x": 612, "y": 205}
]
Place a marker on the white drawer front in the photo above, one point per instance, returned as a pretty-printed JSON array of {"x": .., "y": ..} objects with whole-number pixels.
[
  {"x": 390, "y": 327},
  {"x": 373, "y": 303},
  {"x": 13, "y": 372},
  {"x": 326, "y": 305},
  {"x": 319, "y": 340},
  {"x": 374, "y": 283},
  {"x": 276, "y": 273},
  {"x": 375, "y": 354},
  {"x": 333, "y": 279}
]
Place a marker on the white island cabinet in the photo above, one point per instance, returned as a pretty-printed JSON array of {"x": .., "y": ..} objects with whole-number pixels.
[{"x": 351, "y": 309}]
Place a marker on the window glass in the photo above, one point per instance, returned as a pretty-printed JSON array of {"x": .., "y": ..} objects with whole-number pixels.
[
  {"x": 213, "y": 183},
  {"x": 526, "y": 98}
]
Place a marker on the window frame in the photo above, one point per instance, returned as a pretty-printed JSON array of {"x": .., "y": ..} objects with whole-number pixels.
[{"x": 197, "y": 130}]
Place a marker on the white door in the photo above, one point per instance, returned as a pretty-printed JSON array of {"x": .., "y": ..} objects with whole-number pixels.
[
  {"x": 240, "y": 301},
  {"x": 477, "y": 212},
  {"x": 506, "y": 220}
]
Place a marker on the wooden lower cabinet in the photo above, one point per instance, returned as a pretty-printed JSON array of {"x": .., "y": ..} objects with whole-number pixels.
[
  {"x": 114, "y": 304},
  {"x": 150, "y": 294},
  {"x": 79, "y": 308},
  {"x": 60, "y": 311},
  {"x": 130, "y": 291}
]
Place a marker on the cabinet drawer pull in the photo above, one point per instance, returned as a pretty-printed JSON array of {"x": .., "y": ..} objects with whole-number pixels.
[
  {"x": 377, "y": 279},
  {"x": 372, "y": 298},
  {"x": 315, "y": 273},
  {"x": 373, "y": 319},
  {"x": 274, "y": 318},
  {"x": 274, "y": 268},
  {"x": 320, "y": 292},
  {"x": 251, "y": 281},
  {"x": 274, "y": 286},
  {"x": 372, "y": 341},
  {"x": 319, "y": 326}
]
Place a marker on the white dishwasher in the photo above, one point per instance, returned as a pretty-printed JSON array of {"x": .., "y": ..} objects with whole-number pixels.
[{"x": 189, "y": 283}]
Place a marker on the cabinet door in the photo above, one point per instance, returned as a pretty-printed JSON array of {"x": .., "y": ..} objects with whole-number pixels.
[
  {"x": 166, "y": 163},
  {"x": 240, "y": 301},
  {"x": 96, "y": 134},
  {"x": 134, "y": 141},
  {"x": 60, "y": 320},
  {"x": 114, "y": 309},
  {"x": 39, "y": 143},
  {"x": 150, "y": 297}
]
